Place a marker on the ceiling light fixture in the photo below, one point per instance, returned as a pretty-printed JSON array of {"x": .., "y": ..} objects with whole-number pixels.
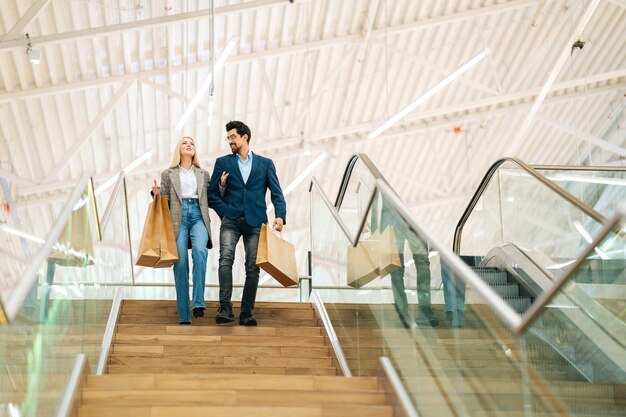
[
  {"x": 207, "y": 83},
  {"x": 22, "y": 234},
  {"x": 428, "y": 94},
  {"x": 34, "y": 54}
]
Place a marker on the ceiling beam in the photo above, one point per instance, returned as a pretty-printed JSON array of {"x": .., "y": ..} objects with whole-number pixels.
[
  {"x": 269, "y": 94},
  {"x": 253, "y": 56},
  {"x": 86, "y": 134},
  {"x": 18, "y": 29},
  {"x": 518, "y": 140},
  {"x": 137, "y": 25},
  {"x": 285, "y": 148},
  {"x": 620, "y": 3},
  {"x": 579, "y": 134},
  {"x": 14, "y": 178}
]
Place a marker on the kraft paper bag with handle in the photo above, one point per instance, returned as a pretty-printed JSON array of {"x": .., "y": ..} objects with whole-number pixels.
[
  {"x": 277, "y": 257},
  {"x": 372, "y": 257},
  {"x": 150, "y": 244},
  {"x": 168, "y": 252}
]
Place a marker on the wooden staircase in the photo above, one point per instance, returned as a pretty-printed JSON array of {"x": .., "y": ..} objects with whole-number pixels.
[{"x": 283, "y": 367}]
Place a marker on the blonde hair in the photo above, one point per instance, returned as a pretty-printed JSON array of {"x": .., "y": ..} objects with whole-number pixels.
[{"x": 176, "y": 157}]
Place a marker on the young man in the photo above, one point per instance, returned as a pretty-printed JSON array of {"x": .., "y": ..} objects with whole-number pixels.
[{"x": 237, "y": 194}]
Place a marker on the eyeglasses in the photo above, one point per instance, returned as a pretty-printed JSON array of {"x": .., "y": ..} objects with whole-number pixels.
[{"x": 231, "y": 137}]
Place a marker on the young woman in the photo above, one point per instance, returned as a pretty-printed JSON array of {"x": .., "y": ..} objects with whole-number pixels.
[{"x": 185, "y": 186}]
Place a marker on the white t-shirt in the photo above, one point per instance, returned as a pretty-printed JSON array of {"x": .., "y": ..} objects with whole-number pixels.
[{"x": 188, "y": 182}]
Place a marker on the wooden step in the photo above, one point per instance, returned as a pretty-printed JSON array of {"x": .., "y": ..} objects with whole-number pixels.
[
  {"x": 228, "y": 381},
  {"x": 250, "y": 411}
]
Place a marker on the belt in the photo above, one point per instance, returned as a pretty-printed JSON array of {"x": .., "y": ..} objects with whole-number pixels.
[{"x": 191, "y": 200}]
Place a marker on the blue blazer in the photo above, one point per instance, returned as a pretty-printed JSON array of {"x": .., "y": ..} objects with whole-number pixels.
[{"x": 248, "y": 198}]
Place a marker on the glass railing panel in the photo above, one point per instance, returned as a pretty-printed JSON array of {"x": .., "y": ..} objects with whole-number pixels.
[
  {"x": 453, "y": 350},
  {"x": 443, "y": 354},
  {"x": 585, "y": 320},
  {"x": 602, "y": 188},
  {"x": 515, "y": 207},
  {"x": 60, "y": 318},
  {"x": 19, "y": 246},
  {"x": 113, "y": 252}
]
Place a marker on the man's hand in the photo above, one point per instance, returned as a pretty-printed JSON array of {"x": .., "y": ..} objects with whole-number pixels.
[
  {"x": 156, "y": 189},
  {"x": 223, "y": 179},
  {"x": 278, "y": 224}
]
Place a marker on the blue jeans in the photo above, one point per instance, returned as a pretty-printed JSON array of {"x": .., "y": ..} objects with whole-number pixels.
[
  {"x": 422, "y": 267},
  {"x": 191, "y": 226},
  {"x": 453, "y": 290},
  {"x": 230, "y": 232}
]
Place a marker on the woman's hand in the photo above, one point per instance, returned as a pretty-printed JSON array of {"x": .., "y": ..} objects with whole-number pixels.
[
  {"x": 156, "y": 189},
  {"x": 223, "y": 179}
]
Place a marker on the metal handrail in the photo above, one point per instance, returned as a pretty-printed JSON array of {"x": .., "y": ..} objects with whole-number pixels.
[
  {"x": 317, "y": 302},
  {"x": 348, "y": 172},
  {"x": 333, "y": 211},
  {"x": 120, "y": 185},
  {"x": 546, "y": 297},
  {"x": 107, "y": 339},
  {"x": 116, "y": 190},
  {"x": 70, "y": 395},
  {"x": 398, "y": 387},
  {"x": 532, "y": 171},
  {"x": 502, "y": 309}
]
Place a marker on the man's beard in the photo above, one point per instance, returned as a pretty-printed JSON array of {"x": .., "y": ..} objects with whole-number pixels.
[{"x": 235, "y": 149}]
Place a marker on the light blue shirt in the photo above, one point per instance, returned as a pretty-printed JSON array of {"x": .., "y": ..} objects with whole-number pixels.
[{"x": 245, "y": 167}]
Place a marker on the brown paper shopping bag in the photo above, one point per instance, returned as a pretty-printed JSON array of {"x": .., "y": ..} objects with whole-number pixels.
[
  {"x": 75, "y": 245},
  {"x": 372, "y": 257},
  {"x": 277, "y": 257},
  {"x": 150, "y": 244},
  {"x": 168, "y": 252},
  {"x": 362, "y": 262},
  {"x": 389, "y": 257}
]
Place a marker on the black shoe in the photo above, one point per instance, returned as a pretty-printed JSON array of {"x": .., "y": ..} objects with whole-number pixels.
[
  {"x": 198, "y": 312},
  {"x": 247, "y": 321},
  {"x": 224, "y": 315},
  {"x": 425, "y": 317},
  {"x": 184, "y": 322}
]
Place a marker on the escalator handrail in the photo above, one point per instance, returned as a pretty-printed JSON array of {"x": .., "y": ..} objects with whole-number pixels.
[
  {"x": 585, "y": 208},
  {"x": 547, "y": 296},
  {"x": 504, "y": 311},
  {"x": 345, "y": 180}
]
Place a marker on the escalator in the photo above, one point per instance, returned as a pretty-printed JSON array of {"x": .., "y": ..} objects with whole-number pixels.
[{"x": 516, "y": 334}]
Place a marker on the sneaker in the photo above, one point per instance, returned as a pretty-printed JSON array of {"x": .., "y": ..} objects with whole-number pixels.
[
  {"x": 425, "y": 317},
  {"x": 198, "y": 312},
  {"x": 224, "y": 315},
  {"x": 247, "y": 321}
]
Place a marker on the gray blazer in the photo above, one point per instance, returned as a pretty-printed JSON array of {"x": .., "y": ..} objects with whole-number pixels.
[{"x": 172, "y": 190}]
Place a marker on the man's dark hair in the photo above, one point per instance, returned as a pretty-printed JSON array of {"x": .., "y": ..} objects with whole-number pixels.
[{"x": 241, "y": 127}]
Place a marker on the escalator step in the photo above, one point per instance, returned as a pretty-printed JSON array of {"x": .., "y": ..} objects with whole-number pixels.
[
  {"x": 491, "y": 275},
  {"x": 506, "y": 290},
  {"x": 519, "y": 304}
]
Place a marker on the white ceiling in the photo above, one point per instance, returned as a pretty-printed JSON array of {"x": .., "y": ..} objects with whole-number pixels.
[{"x": 308, "y": 77}]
